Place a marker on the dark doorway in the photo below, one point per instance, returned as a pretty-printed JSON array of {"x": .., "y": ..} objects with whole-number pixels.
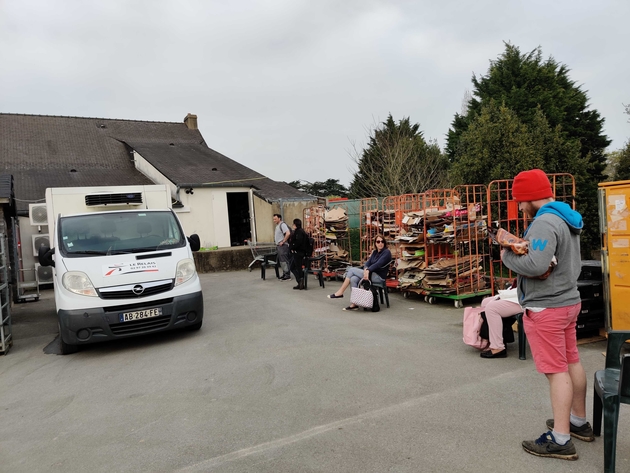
[{"x": 238, "y": 216}]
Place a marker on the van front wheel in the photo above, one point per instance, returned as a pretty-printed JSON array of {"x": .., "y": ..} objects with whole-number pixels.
[{"x": 64, "y": 348}]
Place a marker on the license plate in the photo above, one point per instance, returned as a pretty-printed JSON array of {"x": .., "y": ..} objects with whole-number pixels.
[{"x": 140, "y": 314}]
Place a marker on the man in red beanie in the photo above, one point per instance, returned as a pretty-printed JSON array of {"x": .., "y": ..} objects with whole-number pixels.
[{"x": 551, "y": 307}]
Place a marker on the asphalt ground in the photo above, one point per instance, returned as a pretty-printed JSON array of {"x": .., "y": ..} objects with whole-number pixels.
[{"x": 279, "y": 380}]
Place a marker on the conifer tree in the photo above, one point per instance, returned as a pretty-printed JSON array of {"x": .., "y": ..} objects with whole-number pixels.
[{"x": 543, "y": 98}]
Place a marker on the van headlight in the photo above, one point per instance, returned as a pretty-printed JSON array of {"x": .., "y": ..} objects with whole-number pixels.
[
  {"x": 79, "y": 283},
  {"x": 185, "y": 271}
]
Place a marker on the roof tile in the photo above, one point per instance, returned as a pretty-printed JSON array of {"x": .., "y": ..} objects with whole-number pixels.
[{"x": 51, "y": 151}]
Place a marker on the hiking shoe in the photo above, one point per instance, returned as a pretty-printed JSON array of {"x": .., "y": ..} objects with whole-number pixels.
[
  {"x": 546, "y": 446},
  {"x": 584, "y": 433}
]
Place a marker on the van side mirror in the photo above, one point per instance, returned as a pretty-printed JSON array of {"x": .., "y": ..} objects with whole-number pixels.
[
  {"x": 195, "y": 242},
  {"x": 45, "y": 256}
]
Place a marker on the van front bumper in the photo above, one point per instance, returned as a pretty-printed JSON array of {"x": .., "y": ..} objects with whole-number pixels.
[{"x": 99, "y": 324}]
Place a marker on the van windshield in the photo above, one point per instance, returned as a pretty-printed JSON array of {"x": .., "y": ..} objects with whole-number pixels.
[{"x": 119, "y": 232}]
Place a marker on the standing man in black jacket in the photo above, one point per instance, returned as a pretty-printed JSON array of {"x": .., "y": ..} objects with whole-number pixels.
[{"x": 298, "y": 247}]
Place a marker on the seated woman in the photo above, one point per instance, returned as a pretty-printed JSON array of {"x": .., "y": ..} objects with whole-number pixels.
[
  {"x": 496, "y": 308},
  {"x": 375, "y": 269}
]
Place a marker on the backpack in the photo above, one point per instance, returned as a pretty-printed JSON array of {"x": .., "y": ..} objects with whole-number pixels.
[
  {"x": 309, "y": 245},
  {"x": 284, "y": 231},
  {"x": 376, "y": 307},
  {"x": 472, "y": 326}
]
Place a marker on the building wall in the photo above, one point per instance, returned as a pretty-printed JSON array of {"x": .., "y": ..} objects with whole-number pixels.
[
  {"x": 26, "y": 246},
  {"x": 156, "y": 176},
  {"x": 292, "y": 209},
  {"x": 205, "y": 211},
  {"x": 263, "y": 212}
]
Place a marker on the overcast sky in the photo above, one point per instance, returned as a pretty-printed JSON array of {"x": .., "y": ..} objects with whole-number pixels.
[{"x": 286, "y": 87}]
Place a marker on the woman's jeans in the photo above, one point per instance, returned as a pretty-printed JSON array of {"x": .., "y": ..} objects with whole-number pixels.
[{"x": 356, "y": 275}]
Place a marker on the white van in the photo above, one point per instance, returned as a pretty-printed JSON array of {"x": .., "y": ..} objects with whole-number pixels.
[{"x": 122, "y": 266}]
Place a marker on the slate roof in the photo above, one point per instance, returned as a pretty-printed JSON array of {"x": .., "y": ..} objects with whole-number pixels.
[
  {"x": 197, "y": 165},
  {"x": 51, "y": 151}
]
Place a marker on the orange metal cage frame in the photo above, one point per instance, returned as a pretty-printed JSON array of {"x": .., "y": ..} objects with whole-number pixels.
[
  {"x": 393, "y": 217},
  {"x": 503, "y": 213},
  {"x": 472, "y": 247},
  {"x": 313, "y": 224},
  {"x": 342, "y": 242},
  {"x": 403, "y": 204},
  {"x": 437, "y": 199},
  {"x": 369, "y": 225}
]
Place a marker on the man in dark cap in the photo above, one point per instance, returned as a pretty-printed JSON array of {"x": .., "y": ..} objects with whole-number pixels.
[{"x": 551, "y": 307}]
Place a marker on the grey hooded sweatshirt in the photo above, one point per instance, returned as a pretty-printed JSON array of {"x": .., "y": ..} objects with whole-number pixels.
[{"x": 555, "y": 231}]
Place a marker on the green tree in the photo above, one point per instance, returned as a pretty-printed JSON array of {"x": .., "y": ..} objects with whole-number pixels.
[
  {"x": 327, "y": 188},
  {"x": 398, "y": 160},
  {"x": 535, "y": 89},
  {"x": 296, "y": 184},
  {"x": 493, "y": 147},
  {"x": 620, "y": 159},
  {"x": 622, "y": 170},
  {"x": 612, "y": 163},
  {"x": 525, "y": 83},
  {"x": 497, "y": 145}
]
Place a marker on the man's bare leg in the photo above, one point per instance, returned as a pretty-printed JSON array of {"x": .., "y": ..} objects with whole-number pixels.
[
  {"x": 578, "y": 379},
  {"x": 561, "y": 393}
]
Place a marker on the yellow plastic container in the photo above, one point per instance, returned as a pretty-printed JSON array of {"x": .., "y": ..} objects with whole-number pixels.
[{"x": 614, "y": 219}]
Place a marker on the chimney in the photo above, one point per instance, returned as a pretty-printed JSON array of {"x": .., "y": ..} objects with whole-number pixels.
[{"x": 191, "y": 121}]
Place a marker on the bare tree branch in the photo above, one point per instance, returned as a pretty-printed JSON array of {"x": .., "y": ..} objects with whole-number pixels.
[{"x": 398, "y": 161}]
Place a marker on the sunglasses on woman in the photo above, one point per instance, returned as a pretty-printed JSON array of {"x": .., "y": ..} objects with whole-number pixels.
[{"x": 380, "y": 241}]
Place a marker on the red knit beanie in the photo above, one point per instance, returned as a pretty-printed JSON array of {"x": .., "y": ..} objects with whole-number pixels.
[{"x": 531, "y": 185}]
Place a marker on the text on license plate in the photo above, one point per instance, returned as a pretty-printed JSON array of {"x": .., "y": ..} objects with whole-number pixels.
[{"x": 140, "y": 314}]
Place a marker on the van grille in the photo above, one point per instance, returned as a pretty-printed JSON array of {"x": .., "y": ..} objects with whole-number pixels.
[
  {"x": 113, "y": 199},
  {"x": 139, "y": 326},
  {"x": 127, "y": 293},
  {"x": 139, "y": 305}
]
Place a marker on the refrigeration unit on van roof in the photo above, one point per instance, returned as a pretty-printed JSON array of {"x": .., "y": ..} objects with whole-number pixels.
[{"x": 100, "y": 200}]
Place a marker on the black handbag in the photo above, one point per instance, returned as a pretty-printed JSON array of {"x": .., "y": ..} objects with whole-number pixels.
[
  {"x": 375, "y": 305},
  {"x": 508, "y": 333}
]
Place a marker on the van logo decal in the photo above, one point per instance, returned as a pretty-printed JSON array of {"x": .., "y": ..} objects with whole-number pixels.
[{"x": 118, "y": 269}]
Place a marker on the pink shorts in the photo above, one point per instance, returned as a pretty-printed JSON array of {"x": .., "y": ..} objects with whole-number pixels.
[{"x": 551, "y": 337}]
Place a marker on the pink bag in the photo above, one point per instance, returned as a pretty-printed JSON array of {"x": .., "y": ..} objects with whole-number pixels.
[{"x": 472, "y": 324}]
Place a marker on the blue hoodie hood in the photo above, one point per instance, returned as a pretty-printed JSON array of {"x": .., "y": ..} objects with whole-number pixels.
[{"x": 565, "y": 212}]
